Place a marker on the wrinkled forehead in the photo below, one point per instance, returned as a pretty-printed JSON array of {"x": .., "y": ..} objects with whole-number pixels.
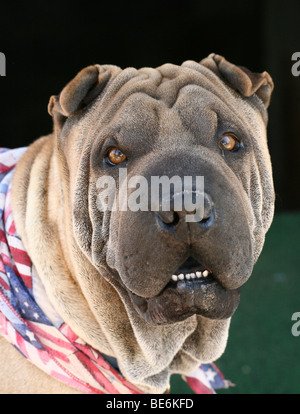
[
  {"x": 193, "y": 111},
  {"x": 163, "y": 83},
  {"x": 168, "y": 96}
]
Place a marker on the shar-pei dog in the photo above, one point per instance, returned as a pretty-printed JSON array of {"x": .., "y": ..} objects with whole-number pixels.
[{"x": 102, "y": 299}]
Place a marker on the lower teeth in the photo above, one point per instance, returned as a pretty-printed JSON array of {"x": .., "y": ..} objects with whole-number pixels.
[{"x": 188, "y": 276}]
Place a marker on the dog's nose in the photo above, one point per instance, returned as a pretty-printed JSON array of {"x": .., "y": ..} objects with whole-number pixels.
[{"x": 202, "y": 215}]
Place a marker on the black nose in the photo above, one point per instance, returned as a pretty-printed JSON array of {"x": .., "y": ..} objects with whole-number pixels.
[{"x": 203, "y": 215}]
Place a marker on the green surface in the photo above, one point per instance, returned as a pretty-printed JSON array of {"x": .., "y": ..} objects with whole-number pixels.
[{"x": 262, "y": 355}]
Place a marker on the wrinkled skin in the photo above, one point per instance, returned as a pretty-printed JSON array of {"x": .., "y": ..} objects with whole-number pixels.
[{"x": 108, "y": 274}]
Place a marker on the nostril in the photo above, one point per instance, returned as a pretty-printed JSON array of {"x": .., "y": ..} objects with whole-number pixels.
[
  {"x": 205, "y": 219},
  {"x": 168, "y": 219},
  {"x": 208, "y": 219},
  {"x": 175, "y": 220}
]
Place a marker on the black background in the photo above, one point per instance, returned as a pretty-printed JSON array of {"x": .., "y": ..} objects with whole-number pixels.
[{"x": 47, "y": 42}]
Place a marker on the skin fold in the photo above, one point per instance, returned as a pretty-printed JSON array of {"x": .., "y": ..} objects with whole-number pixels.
[{"x": 108, "y": 274}]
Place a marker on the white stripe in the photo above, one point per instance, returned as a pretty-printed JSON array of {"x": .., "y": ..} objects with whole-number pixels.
[
  {"x": 75, "y": 367},
  {"x": 4, "y": 249},
  {"x": 48, "y": 366},
  {"x": 8, "y": 222},
  {"x": 15, "y": 242},
  {"x": 11, "y": 157},
  {"x": 2, "y": 199},
  {"x": 52, "y": 345},
  {"x": 81, "y": 372},
  {"x": 23, "y": 269},
  {"x": 199, "y": 374}
]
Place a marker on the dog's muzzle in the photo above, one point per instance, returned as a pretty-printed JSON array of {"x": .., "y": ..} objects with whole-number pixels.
[
  {"x": 193, "y": 289},
  {"x": 173, "y": 266}
]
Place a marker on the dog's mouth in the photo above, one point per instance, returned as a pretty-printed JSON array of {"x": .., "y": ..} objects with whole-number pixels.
[{"x": 192, "y": 289}]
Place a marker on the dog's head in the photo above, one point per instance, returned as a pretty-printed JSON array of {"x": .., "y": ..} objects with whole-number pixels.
[{"x": 204, "y": 119}]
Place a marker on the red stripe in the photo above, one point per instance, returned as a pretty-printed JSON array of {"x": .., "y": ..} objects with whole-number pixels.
[
  {"x": 87, "y": 351},
  {"x": 68, "y": 333},
  {"x": 20, "y": 256},
  {"x": 4, "y": 168},
  {"x": 56, "y": 353},
  {"x": 27, "y": 280},
  {"x": 12, "y": 228},
  {"x": 6, "y": 259},
  {"x": 44, "y": 334},
  {"x": 96, "y": 373},
  {"x": 4, "y": 284},
  {"x": 197, "y": 386},
  {"x": 2, "y": 236},
  {"x": 2, "y": 268},
  {"x": 44, "y": 356},
  {"x": 104, "y": 364}
]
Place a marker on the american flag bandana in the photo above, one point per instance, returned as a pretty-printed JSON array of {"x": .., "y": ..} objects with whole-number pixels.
[{"x": 29, "y": 322}]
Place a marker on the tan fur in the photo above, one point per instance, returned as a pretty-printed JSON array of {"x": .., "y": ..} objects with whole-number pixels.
[
  {"x": 18, "y": 376},
  {"x": 48, "y": 182}
]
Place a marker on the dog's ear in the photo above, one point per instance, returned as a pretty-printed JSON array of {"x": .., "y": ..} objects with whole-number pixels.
[
  {"x": 79, "y": 92},
  {"x": 240, "y": 78}
]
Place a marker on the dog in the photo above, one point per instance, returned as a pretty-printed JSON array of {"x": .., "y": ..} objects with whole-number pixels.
[{"x": 152, "y": 292}]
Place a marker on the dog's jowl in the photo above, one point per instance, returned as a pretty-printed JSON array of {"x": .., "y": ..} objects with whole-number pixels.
[{"x": 115, "y": 300}]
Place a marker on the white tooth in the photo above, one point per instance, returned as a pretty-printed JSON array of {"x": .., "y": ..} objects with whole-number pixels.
[
  {"x": 188, "y": 276},
  {"x": 205, "y": 273},
  {"x": 198, "y": 274},
  {"x": 174, "y": 277},
  {"x": 181, "y": 276},
  {"x": 193, "y": 275}
]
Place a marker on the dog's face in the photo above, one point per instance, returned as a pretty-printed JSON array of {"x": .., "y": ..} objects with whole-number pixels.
[
  {"x": 205, "y": 120},
  {"x": 145, "y": 249}
]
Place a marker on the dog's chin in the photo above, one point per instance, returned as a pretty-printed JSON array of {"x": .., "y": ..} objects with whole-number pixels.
[{"x": 189, "y": 292}]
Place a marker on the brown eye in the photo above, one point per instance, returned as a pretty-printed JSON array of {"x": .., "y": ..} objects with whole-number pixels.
[
  {"x": 115, "y": 156},
  {"x": 229, "y": 142}
]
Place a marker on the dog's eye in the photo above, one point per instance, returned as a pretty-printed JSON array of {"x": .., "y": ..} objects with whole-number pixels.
[
  {"x": 115, "y": 156},
  {"x": 229, "y": 142}
]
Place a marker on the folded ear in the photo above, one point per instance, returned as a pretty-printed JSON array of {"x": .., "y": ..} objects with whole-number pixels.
[
  {"x": 79, "y": 92},
  {"x": 240, "y": 78}
]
